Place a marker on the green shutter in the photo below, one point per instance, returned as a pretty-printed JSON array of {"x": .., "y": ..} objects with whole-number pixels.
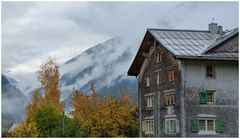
[
  {"x": 167, "y": 122},
  {"x": 143, "y": 125},
  {"x": 203, "y": 97},
  {"x": 195, "y": 125},
  {"x": 219, "y": 126},
  {"x": 174, "y": 125}
]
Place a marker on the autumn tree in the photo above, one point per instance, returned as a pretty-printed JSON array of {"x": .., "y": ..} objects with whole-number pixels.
[
  {"x": 36, "y": 103},
  {"x": 25, "y": 129},
  {"x": 104, "y": 116},
  {"x": 49, "y": 77}
]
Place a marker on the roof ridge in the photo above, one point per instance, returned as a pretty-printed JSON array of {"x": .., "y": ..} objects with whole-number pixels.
[{"x": 177, "y": 30}]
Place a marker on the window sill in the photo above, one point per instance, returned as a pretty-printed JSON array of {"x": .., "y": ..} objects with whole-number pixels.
[
  {"x": 207, "y": 133},
  {"x": 210, "y": 78},
  {"x": 149, "y": 132},
  {"x": 171, "y": 133}
]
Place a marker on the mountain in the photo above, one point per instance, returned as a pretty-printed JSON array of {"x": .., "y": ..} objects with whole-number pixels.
[
  {"x": 105, "y": 64},
  {"x": 13, "y": 103}
]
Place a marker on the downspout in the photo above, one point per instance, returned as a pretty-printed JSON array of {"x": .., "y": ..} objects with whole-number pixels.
[
  {"x": 139, "y": 106},
  {"x": 182, "y": 97}
]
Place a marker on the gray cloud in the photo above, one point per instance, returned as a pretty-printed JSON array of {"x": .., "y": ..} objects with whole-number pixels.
[{"x": 33, "y": 31}]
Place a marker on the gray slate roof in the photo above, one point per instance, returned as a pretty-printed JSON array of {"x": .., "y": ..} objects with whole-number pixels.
[{"x": 192, "y": 43}]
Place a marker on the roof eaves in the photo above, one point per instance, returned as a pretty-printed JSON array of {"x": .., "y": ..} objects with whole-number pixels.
[
  {"x": 185, "y": 30},
  {"x": 207, "y": 58},
  {"x": 234, "y": 32}
]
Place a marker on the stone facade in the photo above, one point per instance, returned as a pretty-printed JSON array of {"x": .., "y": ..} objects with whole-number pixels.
[{"x": 174, "y": 107}]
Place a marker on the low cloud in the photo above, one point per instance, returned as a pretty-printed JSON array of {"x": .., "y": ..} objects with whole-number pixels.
[{"x": 33, "y": 31}]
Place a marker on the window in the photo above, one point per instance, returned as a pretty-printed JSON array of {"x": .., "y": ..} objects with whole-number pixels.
[
  {"x": 170, "y": 126},
  {"x": 147, "y": 79},
  {"x": 148, "y": 126},
  {"x": 171, "y": 75},
  {"x": 158, "y": 57},
  {"x": 206, "y": 125},
  {"x": 209, "y": 126},
  {"x": 210, "y": 71},
  {"x": 169, "y": 99},
  {"x": 202, "y": 124},
  {"x": 158, "y": 77},
  {"x": 149, "y": 100},
  {"x": 210, "y": 97},
  {"x": 206, "y": 97}
]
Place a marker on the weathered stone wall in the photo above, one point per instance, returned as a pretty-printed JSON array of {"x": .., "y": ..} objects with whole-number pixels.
[
  {"x": 226, "y": 96},
  {"x": 168, "y": 62}
]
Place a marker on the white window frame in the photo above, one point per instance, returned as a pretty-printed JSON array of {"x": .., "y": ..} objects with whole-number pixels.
[
  {"x": 147, "y": 79},
  {"x": 213, "y": 100},
  {"x": 149, "y": 100},
  {"x": 206, "y": 131},
  {"x": 177, "y": 126},
  {"x": 148, "y": 125}
]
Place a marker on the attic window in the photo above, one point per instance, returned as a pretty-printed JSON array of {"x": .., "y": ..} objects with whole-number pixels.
[{"x": 158, "y": 57}]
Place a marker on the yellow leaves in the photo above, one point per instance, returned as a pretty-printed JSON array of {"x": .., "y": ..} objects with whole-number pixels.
[
  {"x": 25, "y": 130},
  {"x": 48, "y": 76},
  {"x": 104, "y": 117}
]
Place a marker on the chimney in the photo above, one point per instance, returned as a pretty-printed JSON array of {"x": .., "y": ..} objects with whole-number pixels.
[
  {"x": 220, "y": 29},
  {"x": 213, "y": 28}
]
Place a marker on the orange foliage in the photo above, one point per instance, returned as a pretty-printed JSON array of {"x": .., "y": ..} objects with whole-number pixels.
[{"x": 104, "y": 117}]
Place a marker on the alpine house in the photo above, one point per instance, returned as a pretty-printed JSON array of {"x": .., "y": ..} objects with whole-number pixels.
[{"x": 188, "y": 83}]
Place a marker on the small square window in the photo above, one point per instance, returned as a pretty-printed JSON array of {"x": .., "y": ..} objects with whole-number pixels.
[
  {"x": 210, "y": 97},
  {"x": 210, "y": 71}
]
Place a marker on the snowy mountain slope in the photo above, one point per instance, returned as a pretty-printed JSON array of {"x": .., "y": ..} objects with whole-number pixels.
[
  {"x": 13, "y": 102},
  {"x": 105, "y": 64}
]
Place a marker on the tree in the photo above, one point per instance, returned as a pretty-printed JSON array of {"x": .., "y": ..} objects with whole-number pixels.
[
  {"x": 47, "y": 119},
  {"x": 49, "y": 77},
  {"x": 25, "y": 129},
  {"x": 36, "y": 103},
  {"x": 104, "y": 117}
]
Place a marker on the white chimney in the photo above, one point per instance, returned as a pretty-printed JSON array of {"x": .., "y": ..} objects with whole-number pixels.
[
  {"x": 213, "y": 28},
  {"x": 220, "y": 29}
]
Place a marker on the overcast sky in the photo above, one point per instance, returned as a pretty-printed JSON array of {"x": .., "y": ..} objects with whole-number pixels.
[{"x": 33, "y": 31}]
